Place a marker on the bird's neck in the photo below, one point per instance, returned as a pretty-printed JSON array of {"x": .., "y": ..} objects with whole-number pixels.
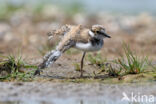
[{"x": 96, "y": 41}]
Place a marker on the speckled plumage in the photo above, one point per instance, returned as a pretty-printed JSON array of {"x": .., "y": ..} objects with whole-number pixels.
[{"x": 77, "y": 37}]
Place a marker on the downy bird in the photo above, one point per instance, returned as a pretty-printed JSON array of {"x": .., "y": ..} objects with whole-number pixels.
[{"x": 79, "y": 37}]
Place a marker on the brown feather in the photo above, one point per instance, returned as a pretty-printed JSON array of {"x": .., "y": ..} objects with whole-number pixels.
[{"x": 77, "y": 34}]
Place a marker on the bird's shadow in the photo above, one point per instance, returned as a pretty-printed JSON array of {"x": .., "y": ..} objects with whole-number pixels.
[{"x": 76, "y": 77}]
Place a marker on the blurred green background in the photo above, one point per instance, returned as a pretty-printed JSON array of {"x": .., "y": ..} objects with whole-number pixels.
[{"x": 131, "y": 7}]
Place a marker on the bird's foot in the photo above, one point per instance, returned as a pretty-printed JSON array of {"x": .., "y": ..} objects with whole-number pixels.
[
  {"x": 39, "y": 69},
  {"x": 38, "y": 72},
  {"x": 81, "y": 75}
]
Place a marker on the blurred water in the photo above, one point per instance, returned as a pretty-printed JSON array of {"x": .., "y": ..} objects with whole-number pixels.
[
  {"x": 115, "y": 6},
  {"x": 95, "y": 100},
  {"x": 76, "y": 93}
]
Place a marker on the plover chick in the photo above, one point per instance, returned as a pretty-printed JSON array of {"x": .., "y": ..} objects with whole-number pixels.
[{"x": 79, "y": 37}]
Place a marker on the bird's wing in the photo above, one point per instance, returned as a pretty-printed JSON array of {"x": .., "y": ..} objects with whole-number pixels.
[
  {"x": 75, "y": 34},
  {"x": 68, "y": 39},
  {"x": 59, "y": 32},
  {"x": 83, "y": 36}
]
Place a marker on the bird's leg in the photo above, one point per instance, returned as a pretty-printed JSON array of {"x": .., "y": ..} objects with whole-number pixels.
[
  {"x": 81, "y": 70},
  {"x": 53, "y": 55},
  {"x": 42, "y": 65},
  {"x": 48, "y": 59}
]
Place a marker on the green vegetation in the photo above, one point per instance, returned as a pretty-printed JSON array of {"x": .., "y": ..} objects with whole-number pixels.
[
  {"x": 114, "y": 71},
  {"x": 77, "y": 66},
  {"x": 6, "y": 10},
  {"x": 75, "y": 7},
  {"x": 132, "y": 64},
  {"x": 97, "y": 60},
  {"x": 12, "y": 68},
  {"x": 72, "y": 51},
  {"x": 104, "y": 65}
]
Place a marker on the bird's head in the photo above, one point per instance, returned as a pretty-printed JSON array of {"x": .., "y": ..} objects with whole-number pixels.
[{"x": 99, "y": 31}]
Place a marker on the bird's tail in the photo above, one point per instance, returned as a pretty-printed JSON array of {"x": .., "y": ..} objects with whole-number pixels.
[{"x": 50, "y": 58}]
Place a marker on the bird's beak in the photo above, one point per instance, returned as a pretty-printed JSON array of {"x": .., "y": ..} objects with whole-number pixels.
[{"x": 106, "y": 35}]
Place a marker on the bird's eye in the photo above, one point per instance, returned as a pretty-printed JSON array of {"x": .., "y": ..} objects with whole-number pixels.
[{"x": 98, "y": 32}]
